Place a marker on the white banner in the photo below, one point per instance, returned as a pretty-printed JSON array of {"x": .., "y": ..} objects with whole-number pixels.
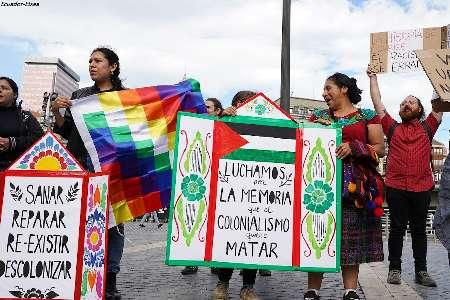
[{"x": 39, "y": 234}]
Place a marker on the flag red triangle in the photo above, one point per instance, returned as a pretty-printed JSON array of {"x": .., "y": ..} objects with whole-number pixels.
[{"x": 225, "y": 140}]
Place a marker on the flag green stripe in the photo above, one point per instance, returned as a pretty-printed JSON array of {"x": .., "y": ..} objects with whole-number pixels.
[{"x": 194, "y": 84}]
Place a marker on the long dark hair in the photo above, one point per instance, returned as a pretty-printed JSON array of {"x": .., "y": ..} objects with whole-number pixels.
[
  {"x": 422, "y": 110},
  {"x": 112, "y": 58},
  {"x": 353, "y": 92},
  {"x": 17, "y": 104}
]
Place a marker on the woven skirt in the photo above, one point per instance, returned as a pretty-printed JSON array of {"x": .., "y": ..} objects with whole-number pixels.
[{"x": 361, "y": 240}]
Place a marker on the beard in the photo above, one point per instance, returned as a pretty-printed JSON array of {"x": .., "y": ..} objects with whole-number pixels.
[{"x": 408, "y": 114}]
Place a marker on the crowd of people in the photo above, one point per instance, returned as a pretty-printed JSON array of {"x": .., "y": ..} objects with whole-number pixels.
[{"x": 407, "y": 185}]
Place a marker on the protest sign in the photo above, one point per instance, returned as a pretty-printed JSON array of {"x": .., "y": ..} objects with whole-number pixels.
[
  {"x": 436, "y": 63},
  {"x": 394, "y": 51},
  {"x": 53, "y": 218},
  {"x": 255, "y": 193}
]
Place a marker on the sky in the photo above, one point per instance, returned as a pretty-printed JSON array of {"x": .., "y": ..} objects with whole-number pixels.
[{"x": 228, "y": 45}]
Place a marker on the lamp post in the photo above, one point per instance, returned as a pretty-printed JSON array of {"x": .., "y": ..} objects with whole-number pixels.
[
  {"x": 47, "y": 99},
  {"x": 285, "y": 57}
]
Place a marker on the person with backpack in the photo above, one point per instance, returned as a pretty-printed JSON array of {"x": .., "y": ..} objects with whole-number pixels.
[
  {"x": 19, "y": 128},
  {"x": 409, "y": 179}
]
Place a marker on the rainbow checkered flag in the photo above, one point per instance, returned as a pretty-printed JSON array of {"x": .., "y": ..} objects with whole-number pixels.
[{"x": 130, "y": 135}]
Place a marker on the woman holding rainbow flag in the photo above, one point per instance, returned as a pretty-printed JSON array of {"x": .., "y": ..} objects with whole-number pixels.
[{"x": 104, "y": 70}]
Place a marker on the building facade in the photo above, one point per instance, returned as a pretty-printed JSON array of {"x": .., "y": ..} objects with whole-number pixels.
[
  {"x": 45, "y": 75},
  {"x": 301, "y": 108},
  {"x": 438, "y": 155}
]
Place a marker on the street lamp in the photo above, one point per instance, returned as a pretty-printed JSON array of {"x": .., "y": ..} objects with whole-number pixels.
[
  {"x": 286, "y": 57},
  {"x": 47, "y": 99}
]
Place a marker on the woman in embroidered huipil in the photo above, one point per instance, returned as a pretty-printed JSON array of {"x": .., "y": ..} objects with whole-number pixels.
[{"x": 363, "y": 142}]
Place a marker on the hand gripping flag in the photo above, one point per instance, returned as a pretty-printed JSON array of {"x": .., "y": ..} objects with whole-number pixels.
[{"x": 130, "y": 134}]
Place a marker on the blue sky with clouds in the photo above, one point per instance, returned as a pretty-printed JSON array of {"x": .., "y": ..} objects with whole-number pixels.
[
  {"x": 13, "y": 52},
  {"x": 404, "y": 4},
  {"x": 228, "y": 45}
]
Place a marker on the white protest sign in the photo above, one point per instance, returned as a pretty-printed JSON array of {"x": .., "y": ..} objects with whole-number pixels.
[
  {"x": 393, "y": 51},
  {"x": 39, "y": 231}
]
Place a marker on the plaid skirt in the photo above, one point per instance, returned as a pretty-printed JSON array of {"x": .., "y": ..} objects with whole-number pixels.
[{"x": 361, "y": 240}]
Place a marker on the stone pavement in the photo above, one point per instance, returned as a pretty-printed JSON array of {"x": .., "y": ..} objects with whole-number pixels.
[
  {"x": 145, "y": 276},
  {"x": 437, "y": 267}
]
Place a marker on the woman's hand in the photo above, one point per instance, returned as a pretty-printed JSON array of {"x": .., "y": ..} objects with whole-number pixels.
[
  {"x": 230, "y": 111},
  {"x": 323, "y": 122},
  {"x": 343, "y": 151},
  {"x": 60, "y": 102}
]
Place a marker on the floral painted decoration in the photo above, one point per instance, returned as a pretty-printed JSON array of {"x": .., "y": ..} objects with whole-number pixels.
[
  {"x": 193, "y": 187},
  {"x": 318, "y": 197}
]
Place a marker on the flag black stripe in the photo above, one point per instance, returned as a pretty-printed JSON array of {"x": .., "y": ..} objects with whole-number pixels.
[{"x": 265, "y": 131}]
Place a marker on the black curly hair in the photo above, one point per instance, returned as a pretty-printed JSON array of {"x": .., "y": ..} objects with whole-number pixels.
[
  {"x": 342, "y": 80},
  {"x": 241, "y": 96},
  {"x": 112, "y": 58}
]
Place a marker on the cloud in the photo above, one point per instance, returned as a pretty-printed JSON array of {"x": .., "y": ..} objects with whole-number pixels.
[
  {"x": 227, "y": 45},
  {"x": 19, "y": 45}
]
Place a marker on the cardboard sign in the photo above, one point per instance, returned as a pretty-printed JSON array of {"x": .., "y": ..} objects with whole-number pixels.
[
  {"x": 436, "y": 64},
  {"x": 394, "y": 51},
  {"x": 255, "y": 193},
  {"x": 446, "y": 32},
  {"x": 53, "y": 218}
]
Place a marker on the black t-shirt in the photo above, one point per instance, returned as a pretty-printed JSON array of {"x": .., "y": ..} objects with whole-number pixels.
[{"x": 11, "y": 122}]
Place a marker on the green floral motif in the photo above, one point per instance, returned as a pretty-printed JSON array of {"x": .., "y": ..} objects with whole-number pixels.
[
  {"x": 320, "y": 152},
  {"x": 260, "y": 109},
  {"x": 103, "y": 202},
  {"x": 318, "y": 197},
  {"x": 193, "y": 187},
  {"x": 318, "y": 248},
  {"x": 196, "y": 149},
  {"x": 189, "y": 235},
  {"x": 84, "y": 283}
]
